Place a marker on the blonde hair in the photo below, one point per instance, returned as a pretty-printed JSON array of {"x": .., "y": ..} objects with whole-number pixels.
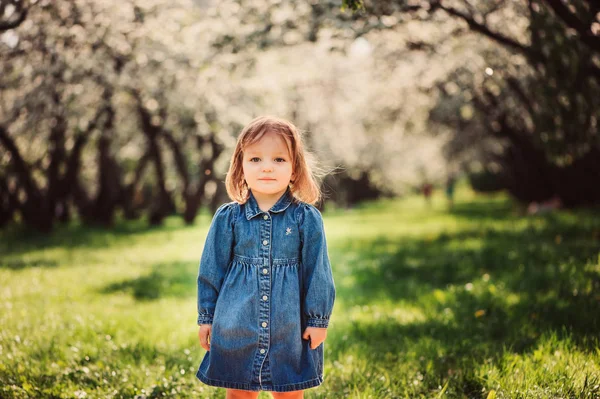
[{"x": 304, "y": 187}]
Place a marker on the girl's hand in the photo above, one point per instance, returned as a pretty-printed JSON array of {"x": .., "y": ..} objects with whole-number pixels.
[
  {"x": 317, "y": 336},
  {"x": 204, "y": 335}
]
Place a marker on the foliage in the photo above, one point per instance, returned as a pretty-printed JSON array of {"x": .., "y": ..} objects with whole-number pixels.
[
  {"x": 133, "y": 107},
  {"x": 534, "y": 112}
]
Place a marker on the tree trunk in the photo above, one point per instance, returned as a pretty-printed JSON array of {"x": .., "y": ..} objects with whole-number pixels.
[
  {"x": 34, "y": 209},
  {"x": 220, "y": 196},
  {"x": 130, "y": 199},
  {"x": 163, "y": 202},
  {"x": 110, "y": 188},
  {"x": 194, "y": 199},
  {"x": 8, "y": 202}
]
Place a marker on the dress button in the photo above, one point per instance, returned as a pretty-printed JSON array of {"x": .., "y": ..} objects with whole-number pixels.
[
  {"x": 266, "y": 217},
  {"x": 265, "y": 271},
  {"x": 264, "y": 324},
  {"x": 265, "y": 242},
  {"x": 262, "y": 351},
  {"x": 265, "y": 297}
]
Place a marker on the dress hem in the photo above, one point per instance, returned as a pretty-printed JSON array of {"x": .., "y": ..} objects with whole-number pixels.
[{"x": 257, "y": 387}]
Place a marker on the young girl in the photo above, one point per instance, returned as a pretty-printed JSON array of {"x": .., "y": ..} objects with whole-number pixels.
[{"x": 265, "y": 289}]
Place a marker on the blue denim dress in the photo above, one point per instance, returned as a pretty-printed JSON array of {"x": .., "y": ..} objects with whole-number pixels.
[{"x": 263, "y": 278}]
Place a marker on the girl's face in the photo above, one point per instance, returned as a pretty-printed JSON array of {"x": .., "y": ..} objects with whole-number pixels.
[{"x": 267, "y": 165}]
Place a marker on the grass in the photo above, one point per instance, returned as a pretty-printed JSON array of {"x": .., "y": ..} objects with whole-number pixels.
[{"x": 476, "y": 302}]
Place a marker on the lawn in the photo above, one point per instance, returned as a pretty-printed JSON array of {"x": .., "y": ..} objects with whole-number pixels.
[{"x": 475, "y": 302}]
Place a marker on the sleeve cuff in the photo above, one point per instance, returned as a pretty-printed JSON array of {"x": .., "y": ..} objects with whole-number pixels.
[
  {"x": 317, "y": 322},
  {"x": 205, "y": 319}
]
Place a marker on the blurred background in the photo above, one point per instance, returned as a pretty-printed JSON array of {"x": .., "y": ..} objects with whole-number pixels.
[
  {"x": 132, "y": 108},
  {"x": 461, "y": 137}
]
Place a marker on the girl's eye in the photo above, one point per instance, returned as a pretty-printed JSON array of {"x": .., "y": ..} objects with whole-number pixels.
[
  {"x": 255, "y": 159},
  {"x": 279, "y": 160}
]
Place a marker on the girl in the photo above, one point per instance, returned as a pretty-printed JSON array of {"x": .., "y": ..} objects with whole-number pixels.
[{"x": 265, "y": 289}]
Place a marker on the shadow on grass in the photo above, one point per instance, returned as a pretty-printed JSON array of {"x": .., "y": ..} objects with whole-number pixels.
[
  {"x": 479, "y": 293},
  {"x": 177, "y": 279},
  {"x": 493, "y": 209},
  {"x": 484, "y": 289},
  {"x": 16, "y": 240},
  {"x": 107, "y": 370},
  {"x": 18, "y": 264}
]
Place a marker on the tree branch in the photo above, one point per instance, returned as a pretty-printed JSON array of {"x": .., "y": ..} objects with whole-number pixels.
[
  {"x": 572, "y": 21},
  {"x": 20, "y": 11},
  {"x": 515, "y": 85},
  {"x": 21, "y": 167},
  {"x": 483, "y": 29},
  {"x": 178, "y": 156}
]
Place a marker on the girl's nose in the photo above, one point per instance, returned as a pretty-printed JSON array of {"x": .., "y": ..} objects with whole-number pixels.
[{"x": 267, "y": 167}]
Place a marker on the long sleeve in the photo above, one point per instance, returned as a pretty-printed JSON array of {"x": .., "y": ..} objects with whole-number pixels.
[
  {"x": 216, "y": 256},
  {"x": 318, "y": 285}
]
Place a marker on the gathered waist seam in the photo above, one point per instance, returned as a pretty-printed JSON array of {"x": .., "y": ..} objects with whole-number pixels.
[{"x": 263, "y": 261}]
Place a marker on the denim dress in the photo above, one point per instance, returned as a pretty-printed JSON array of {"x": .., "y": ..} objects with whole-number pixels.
[{"x": 263, "y": 278}]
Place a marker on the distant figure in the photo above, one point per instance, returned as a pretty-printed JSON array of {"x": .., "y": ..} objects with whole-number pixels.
[
  {"x": 427, "y": 189},
  {"x": 553, "y": 203},
  {"x": 450, "y": 182}
]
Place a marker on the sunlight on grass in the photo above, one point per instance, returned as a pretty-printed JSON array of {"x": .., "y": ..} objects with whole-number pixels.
[{"x": 430, "y": 303}]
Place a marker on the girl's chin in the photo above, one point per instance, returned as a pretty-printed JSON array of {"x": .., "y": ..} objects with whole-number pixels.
[
  {"x": 267, "y": 189},
  {"x": 268, "y": 183}
]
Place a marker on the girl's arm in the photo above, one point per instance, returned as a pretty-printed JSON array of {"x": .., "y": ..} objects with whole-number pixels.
[
  {"x": 318, "y": 286},
  {"x": 216, "y": 256}
]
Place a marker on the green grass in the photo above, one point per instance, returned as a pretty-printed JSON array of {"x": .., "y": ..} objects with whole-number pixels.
[{"x": 476, "y": 302}]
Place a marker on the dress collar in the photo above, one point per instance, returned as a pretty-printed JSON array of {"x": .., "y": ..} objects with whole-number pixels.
[{"x": 281, "y": 205}]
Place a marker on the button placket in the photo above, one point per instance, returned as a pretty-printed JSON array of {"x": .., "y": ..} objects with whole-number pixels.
[{"x": 264, "y": 292}]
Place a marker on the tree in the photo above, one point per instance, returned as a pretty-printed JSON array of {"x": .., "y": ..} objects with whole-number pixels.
[
  {"x": 75, "y": 72},
  {"x": 538, "y": 100}
]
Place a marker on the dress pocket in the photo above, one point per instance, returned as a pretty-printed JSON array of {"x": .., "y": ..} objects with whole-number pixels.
[{"x": 317, "y": 356}]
